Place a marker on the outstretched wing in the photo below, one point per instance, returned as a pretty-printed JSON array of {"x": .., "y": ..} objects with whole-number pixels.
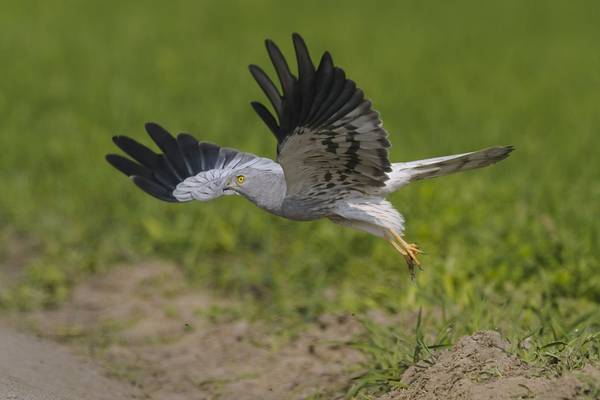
[
  {"x": 186, "y": 170},
  {"x": 329, "y": 139}
]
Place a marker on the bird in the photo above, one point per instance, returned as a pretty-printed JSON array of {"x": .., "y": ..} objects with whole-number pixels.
[{"x": 332, "y": 156}]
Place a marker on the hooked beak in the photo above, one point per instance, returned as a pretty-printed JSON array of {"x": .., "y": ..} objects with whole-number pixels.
[
  {"x": 228, "y": 190},
  {"x": 230, "y": 187}
]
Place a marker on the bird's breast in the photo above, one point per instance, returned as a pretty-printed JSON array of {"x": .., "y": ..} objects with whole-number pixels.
[{"x": 300, "y": 209}]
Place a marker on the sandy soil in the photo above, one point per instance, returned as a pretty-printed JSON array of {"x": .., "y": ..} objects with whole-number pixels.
[
  {"x": 154, "y": 338},
  {"x": 146, "y": 327}
]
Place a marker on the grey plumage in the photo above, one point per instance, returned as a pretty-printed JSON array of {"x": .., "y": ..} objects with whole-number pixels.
[
  {"x": 332, "y": 155},
  {"x": 404, "y": 173}
]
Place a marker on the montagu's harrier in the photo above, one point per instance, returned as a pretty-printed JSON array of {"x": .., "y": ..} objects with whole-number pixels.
[{"x": 332, "y": 156}]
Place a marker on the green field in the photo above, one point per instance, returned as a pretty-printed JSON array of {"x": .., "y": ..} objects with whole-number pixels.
[{"x": 515, "y": 247}]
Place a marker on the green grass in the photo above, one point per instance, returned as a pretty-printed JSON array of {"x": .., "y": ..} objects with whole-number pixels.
[
  {"x": 513, "y": 247},
  {"x": 557, "y": 339}
]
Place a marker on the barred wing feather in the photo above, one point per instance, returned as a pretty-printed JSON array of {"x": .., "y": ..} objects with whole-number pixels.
[{"x": 329, "y": 139}]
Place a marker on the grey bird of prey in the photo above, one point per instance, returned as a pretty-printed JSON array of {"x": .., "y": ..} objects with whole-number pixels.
[{"x": 332, "y": 156}]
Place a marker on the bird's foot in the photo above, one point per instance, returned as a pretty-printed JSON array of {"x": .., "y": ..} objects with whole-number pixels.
[
  {"x": 409, "y": 251},
  {"x": 410, "y": 256},
  {"x": 413, "y": 250}
]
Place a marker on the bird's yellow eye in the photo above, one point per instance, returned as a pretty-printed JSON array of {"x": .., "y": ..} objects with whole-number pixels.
[{"x": 240, "y": 179}]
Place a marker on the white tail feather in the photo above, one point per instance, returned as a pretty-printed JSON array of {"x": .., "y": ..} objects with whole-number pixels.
[{"x": 404, "y": 173}]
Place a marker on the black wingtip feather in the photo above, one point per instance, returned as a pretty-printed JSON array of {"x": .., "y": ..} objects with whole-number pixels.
[
  {"x": 150, "y": 126},
  {"x": 281, "y": 67},
  {"x": 305, "y": 65},
  {"x": 306, "y": 77},
  {"x": 327, "y": 58},
  {"x": 333, "y": 94},
  {"x": 315, "y": 97},
  {"x": 167, "y": 143},
  {"x": 128, "y": 167},
  {"x": 340, "y": 99},
  {"x": 267, "y": 117},
  {"x": 190, "y": 149},
  {"x": 154, "y": 189},
  {"x": 137, "y": 151},
  {"x": 324, "y": 79},
  {"x": 210, "y": 155},
  {"x": 268, "y": 87}
]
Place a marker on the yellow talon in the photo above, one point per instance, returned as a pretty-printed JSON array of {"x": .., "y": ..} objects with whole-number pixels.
[
  {"x": 415, "y": 248},
  {"x": 408, "y": 250}
]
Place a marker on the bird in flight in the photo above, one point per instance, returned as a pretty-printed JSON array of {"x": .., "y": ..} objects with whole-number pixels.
[{"x": 332, "y": 156}]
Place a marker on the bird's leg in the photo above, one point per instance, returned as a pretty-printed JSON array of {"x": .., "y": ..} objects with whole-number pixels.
[{"x": 408, "y": 250}]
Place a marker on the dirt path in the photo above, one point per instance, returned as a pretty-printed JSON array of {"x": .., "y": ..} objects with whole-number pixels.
[
  {"x": 34, "y": 369},
  {"x": 146, "y": 327}
]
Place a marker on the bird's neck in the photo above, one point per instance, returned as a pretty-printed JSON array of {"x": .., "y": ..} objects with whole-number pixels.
[{"x": 272, "y": 194}]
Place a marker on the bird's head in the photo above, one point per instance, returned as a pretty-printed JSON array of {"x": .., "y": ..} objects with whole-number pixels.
[
  {"x": 235, "y": 183},
  {"x": 263, "y": 187},
  {"x": 247, "y": 182}
]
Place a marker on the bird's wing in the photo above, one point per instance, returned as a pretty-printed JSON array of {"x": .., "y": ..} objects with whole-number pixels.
[
  {"x": 329, "y": 139},
  {"x": 185, "y": 170}
]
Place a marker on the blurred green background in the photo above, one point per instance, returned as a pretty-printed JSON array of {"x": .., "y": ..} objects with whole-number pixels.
[{"x": 513, "y": 247}]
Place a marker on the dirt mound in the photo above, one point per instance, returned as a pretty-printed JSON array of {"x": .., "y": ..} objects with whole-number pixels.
[{"x": 479, "y": 367}]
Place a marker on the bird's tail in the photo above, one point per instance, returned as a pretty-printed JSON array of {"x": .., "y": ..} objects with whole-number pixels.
[{"x": 404, "y": 173}]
